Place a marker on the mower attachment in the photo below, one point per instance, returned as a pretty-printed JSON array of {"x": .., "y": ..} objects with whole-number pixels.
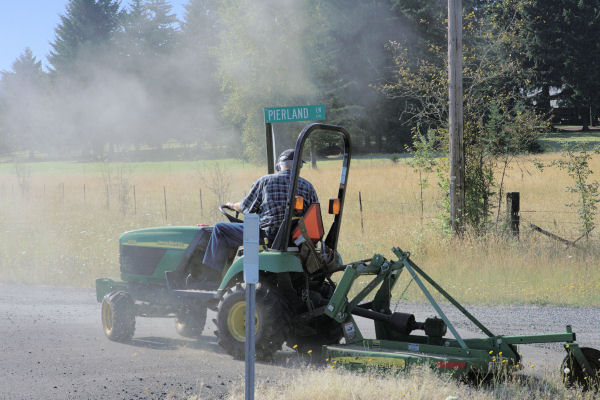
[{"x": 395, "y": 347}]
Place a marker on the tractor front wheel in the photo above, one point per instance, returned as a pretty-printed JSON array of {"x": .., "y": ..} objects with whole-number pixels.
[
  {"x": 190, "y": 323},
  {"x": 118, "y": 316},
  {"x": 270, "y": 327}
]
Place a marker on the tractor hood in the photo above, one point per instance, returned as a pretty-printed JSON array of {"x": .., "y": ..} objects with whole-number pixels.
[
  {"x": 145, "y": 254},
  {"x": 167, "y": 237}
]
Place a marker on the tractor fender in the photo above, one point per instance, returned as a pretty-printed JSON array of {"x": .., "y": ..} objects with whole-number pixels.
[
  {"x": 105, "y": 285},
  {"x": 269, "y": 261}
]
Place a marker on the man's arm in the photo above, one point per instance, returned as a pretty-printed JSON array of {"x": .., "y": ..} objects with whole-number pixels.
[{"x": 251, "y": 203}]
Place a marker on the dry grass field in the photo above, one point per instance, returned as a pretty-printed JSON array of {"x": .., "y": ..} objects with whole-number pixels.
[
  {"x": 62, "y": 228},
  {"x": 418, "y": 384}
]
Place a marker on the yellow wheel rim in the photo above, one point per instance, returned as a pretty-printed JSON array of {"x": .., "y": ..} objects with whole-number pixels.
[
  {"x": 107, "y": 319},
  {"x": 236, "y": 321}
]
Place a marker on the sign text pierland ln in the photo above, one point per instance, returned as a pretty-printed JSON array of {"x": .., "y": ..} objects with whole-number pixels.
[{"x": 294, "y": 114}]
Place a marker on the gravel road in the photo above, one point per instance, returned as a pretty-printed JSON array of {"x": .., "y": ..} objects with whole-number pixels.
[{"x": 52, "y": 346}]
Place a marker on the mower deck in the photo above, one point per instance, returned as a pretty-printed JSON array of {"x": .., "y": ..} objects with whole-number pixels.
[{"x": 396, "y": 348}]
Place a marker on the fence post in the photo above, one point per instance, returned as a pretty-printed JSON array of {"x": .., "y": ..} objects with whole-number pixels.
[
  {"x": 165, "y": 196},
  {"x": 512, "y": 211},
  {"x": 201, "y": 209},
  {"x": 313, "y": 155},
  {"x": 362, "y": 227}
]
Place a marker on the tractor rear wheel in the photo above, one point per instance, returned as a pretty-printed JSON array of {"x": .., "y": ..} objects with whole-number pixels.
[
  {"x": 271, "y": 322},
  {"x": 573, "y": 374},
  {"x": 118, "y": 316},
  {"x": 190, "y": 323}
]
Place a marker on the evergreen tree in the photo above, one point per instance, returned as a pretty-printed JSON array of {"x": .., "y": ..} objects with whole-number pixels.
[
  {"x": 351, "y": 59},
  {"x": 131, "y": 39},
  {"x": 262, "y": 62},
  {"x": 581, "y": 30},
  {"x": 149, "y": 29},
  {"x": 542, "y": 37},
  {"x": 197, "y": 84},
  {"x": 162, "y": 32},
  {"x": 560, "y": 42},
  {"x": 86, "y": 27},
  {"x": 23, "y": 92}
]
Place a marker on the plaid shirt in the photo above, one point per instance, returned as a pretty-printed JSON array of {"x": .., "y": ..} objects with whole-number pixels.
[{"x": 268, "y": 196}]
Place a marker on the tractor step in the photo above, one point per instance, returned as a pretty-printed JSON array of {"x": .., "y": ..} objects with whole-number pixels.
[{"x": 196, "y": 293}]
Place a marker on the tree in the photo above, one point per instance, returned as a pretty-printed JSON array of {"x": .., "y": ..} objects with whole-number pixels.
[
  {"x": 541, "y": 36},
  {"x": 197, "y": 85},
  {"x": 558, "y": 39},
  {"x": 580, "y": 75},
  {"x": 262, "y": 62},
  {"x": 349, "y": 57},
  {"x": 496, "y": 123},
  {"x": 312, "y": 51},
  {"x": 161, "y": 33},
  {"x": 85, "y": 29},
  {"x": 23, "y": 96}
]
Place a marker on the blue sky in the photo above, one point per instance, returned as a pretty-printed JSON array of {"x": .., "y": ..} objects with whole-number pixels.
[{"x": 31, "y": 23}]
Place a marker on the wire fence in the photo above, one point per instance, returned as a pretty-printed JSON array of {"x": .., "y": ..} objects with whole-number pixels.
[{"x": 131, "y": 199}]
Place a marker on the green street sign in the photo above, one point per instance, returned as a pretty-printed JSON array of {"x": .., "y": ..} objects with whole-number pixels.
[{"x": 293, "y": 114}]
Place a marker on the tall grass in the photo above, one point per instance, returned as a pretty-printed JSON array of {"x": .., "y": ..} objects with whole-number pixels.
[
  {"x": 316, "y": 384},
  {"x": 50, "y": 238}
]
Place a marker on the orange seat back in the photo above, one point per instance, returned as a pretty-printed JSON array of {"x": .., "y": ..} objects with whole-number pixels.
[{"x": 313, "y": 222}]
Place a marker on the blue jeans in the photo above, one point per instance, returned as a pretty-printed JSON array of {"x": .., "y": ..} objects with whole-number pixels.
[{"x": 225, "y": 236}]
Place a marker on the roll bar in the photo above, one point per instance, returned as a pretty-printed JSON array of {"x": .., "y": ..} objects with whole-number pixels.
[{"x": 281, "y": 240}]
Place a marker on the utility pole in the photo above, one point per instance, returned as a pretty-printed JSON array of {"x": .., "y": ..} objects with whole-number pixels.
[{"x": 455, "y": 93}]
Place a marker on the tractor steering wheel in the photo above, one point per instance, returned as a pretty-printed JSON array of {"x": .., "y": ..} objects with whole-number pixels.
[{"x": 231, "y": 218}]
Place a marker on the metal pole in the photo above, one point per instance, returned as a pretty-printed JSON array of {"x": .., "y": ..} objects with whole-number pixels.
[
  {"x": 250, "y": 306},
  {"x": 251, "y": 243},
  {"x": 274, "y": 146},
  {"x": 270, "y": 148},
  {"x": 455, "y": 94}
]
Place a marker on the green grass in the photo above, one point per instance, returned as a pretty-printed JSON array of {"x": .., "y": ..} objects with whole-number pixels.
[
  {"x": 70, "y": 168},
  {"x": 552, "y": 141}
]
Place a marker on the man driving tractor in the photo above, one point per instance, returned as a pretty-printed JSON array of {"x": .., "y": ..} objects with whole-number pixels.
[{"x": 267, "y": 197}]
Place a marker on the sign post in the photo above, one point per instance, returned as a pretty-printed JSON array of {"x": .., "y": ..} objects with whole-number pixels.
[
  {"x": 251, "y": 241},
  {"x": 275, "y": 115}
]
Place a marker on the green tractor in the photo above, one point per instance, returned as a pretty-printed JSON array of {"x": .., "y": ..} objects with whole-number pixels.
[{"x": 161, "y": 276}]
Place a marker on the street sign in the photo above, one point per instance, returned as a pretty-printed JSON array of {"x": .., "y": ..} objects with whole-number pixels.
[{"x": 275, "y": 115}]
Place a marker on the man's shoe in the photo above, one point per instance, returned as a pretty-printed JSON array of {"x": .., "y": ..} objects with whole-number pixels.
[{"x": 209, "y": 279}]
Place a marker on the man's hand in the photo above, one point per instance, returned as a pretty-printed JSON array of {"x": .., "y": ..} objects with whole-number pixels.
[{"x": 236, "y": 206}]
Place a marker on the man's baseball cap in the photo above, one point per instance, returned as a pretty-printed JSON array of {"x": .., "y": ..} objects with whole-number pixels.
[{"x": 288, "y": 155}]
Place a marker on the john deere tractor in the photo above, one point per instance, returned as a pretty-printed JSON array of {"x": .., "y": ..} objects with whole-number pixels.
[{"x": 161, "y": 276}]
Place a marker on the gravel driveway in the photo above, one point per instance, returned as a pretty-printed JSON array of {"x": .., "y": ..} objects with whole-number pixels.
[{"x": 52, "y": 346}]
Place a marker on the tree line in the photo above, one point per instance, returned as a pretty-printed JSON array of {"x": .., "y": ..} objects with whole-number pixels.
[{"x": 122, "y": 76}]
